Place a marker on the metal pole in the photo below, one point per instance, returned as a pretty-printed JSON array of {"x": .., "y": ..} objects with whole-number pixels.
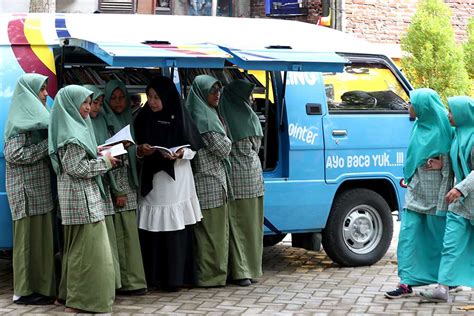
[{"x": 214, "y": 7}]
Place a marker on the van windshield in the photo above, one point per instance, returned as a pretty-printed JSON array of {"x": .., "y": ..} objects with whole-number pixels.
[{"x": 365, "y": 87}]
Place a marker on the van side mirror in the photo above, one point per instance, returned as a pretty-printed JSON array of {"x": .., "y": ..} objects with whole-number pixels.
[{"x": 326, "y": 8}]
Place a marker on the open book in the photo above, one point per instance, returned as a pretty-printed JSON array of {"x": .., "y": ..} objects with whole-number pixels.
[
  {"x": 121, "y": 136},
  {"x": 115, "y": 150},
  {"x": 171, "y": 150}
]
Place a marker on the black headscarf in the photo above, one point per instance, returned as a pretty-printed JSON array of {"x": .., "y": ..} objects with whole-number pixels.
[{"x": 170, "y": 127}]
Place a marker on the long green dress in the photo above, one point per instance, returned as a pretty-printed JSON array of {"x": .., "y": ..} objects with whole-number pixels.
[
  {"x": 246, "y": 208},
  {"x": 101, "y": 135},
  {"x": 456, "y": 266},
  {"x": 423, "y": 218},
  {"x": 28, "y": 186},
  {"x": 88, "y": 276},
  {"x": 132, "y": 272},
  {"x": 210, "y": 168}
]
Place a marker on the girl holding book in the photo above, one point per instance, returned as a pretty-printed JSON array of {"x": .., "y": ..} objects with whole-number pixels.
[
  {"x": 168, "y": 207},
  {"x": 101, "y": 134},
  {"x": 87, "y": 281},
  {"x": 118, "y": 114}
]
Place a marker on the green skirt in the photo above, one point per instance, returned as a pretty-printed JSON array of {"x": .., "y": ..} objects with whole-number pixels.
[
  {"x": 132, "y": 272},
  {"x": 88, "y": 277},
  {"x": 109, "y": 222},
  {"x": 457, "y": 258},
  {"x": 245, "y": 238},
  {"x": 212, "y": 247},
  {"x": 33, "y": 256},
  {"x": 420, "y": 243}
]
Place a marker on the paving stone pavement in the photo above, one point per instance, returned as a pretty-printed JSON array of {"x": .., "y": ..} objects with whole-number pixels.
[{"x": 295, "y": 281}]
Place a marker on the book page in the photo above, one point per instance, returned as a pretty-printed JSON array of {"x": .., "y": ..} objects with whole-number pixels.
[
  {"x": 171, "y": 150},
  {"x": 122, "y": 135},
  {"x": 115, "y": 150}
]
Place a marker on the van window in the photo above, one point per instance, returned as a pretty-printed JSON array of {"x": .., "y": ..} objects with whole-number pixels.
[{"x": 365, "y": 87}]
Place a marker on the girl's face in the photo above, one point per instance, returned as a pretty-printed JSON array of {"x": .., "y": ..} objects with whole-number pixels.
[
  {"x": 214, "y": 96},
  {"x": 451, "y": 119},
  {"x": 42, "y": 94},
  {"x": 95, "y": 106},
  {"x": 85, "y": 108},
  {"x": 117, "y": 101},
  {"x": 154, "y": 100}
]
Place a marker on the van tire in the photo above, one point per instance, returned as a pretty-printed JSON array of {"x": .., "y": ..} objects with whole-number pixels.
[
  {"x": 359, "y": 228},
  {"x": 272, "y": 240}
]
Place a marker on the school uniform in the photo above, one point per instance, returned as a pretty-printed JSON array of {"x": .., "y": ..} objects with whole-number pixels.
[
  {"x": 210, "y": 168},
  {"x": 132, "y": 273},
  {"x": 246, "y": 206},
  {"x": 458, "y": 242},
  {"x": 420, "y": 240},
  {"x": 101, "y": 133},
  {"x": 88, "y": 276},
  {"x": 29, "y": 192},
  {"x": 28, "y": 187},
  {"x": 422, "y": 225}
]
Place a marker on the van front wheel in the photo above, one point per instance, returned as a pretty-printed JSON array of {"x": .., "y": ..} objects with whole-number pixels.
[{"x": 359, "y": 228}]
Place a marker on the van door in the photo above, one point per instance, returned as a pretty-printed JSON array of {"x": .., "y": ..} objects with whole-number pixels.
[{"x": 367, "y": 128}]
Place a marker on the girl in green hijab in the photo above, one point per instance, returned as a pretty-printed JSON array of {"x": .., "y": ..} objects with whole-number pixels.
[
  {"x": 246, "y": 209},
  {"x": 455, "y": 267},
  {"x": 28, "y": 187},
  {"x": 428, "y": 173},
  {"x": 99, "y": 124},
  {"x": 87, "y": 282},
  {"x": 118, "y": 114},
  {"x": 210, "y": 176}
]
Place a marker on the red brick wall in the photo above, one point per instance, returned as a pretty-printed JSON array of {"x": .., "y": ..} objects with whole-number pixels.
[{"x": 381, "y": 21}]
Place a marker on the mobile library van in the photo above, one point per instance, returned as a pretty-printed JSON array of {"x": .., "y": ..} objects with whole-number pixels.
[{"x": 333, "y": 110}]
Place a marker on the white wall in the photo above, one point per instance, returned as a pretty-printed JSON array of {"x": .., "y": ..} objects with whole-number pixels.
[
  {"x": 62, "y": 6},
  {"x": 76, "y": 6},
  {"x": 11, "y": 6}
]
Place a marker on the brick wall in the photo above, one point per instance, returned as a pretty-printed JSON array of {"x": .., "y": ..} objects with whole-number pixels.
[
  {"x": 381, "y": 21},
  {"x": 385, "y": 20}
]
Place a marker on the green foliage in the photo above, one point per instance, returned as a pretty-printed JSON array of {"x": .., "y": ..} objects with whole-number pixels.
[{"x": 434, "y": 60}]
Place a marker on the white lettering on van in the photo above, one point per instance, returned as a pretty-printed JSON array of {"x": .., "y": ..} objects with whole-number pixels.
[
  {"x": 302, "y": 78},
  {"x": 365, "y": 161},
  {"x": 303, "y": 133}
]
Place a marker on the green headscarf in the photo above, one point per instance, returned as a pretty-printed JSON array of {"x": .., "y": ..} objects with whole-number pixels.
[
  {"x": 431, "y": 134},
  {"x": 27, "y": 112},
  {"x": 462, "y": 110},
  {"x": 237, "y": 112},
  {"x": 205, "y": 117},
  {"x": 100, "y": 130},
  {"x": 99, "y": 123},
  {"x": 68, "y": 127},
  {"x": 117, "y": 121}
]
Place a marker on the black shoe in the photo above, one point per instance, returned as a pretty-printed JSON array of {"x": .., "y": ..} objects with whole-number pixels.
[
  {"x": 243, "y": 282},
  {"x": 132, "y": 292},
  {"x": 254, "y": 281},
  {"x": 34, "y": 299},
  {"x": 400, "y": 292}
]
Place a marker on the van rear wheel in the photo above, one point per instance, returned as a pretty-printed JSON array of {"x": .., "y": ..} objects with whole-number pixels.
[{"x": 359, "y": 228}]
